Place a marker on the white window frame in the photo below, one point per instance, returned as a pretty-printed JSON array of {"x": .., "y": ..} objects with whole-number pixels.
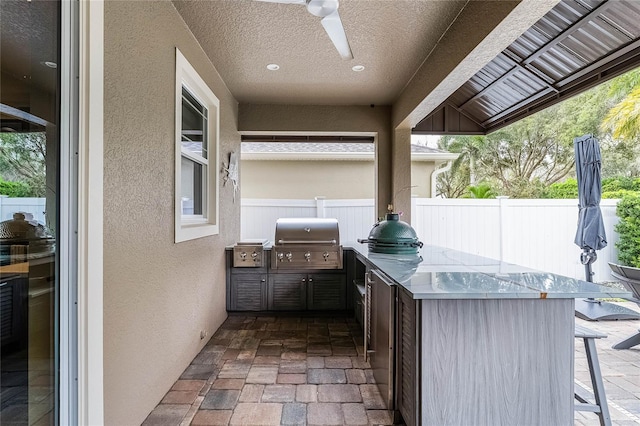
[{"x": 189, "y": 227}]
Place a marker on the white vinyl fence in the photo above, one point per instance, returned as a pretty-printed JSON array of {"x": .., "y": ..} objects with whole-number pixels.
[
  {"x": 534, "y": 233},
  {"x": 355, "y": 217},
  {"x": 35, "y": 206}
]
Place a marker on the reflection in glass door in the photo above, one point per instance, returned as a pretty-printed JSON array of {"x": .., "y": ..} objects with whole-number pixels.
[{"x": 29, "y": 205}]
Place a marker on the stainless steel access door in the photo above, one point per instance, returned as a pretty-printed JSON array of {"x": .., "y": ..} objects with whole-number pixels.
[{"x": 381, "y": 327}]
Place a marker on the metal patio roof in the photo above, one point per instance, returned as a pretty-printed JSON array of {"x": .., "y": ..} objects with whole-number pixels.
[{"x": 575, "y": 46}]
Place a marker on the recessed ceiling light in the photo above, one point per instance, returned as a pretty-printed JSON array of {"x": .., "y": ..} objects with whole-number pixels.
[
  {"x": 273, "y": 67},
  {"x": 50, "y": 64},
  {"x": 358, "y": 68}
]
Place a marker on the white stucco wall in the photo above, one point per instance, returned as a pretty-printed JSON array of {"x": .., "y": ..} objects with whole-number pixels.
[{"x": 158, "y": 295}]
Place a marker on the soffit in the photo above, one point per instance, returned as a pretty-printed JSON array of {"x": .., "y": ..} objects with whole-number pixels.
[
  {"x": 391, "y": 38},
  {"x": 575, "y": 46}
]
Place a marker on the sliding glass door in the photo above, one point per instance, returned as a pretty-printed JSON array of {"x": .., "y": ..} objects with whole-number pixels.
[{"x": 30, "y": 197}]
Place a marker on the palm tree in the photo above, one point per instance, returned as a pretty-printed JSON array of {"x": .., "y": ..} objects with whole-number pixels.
[
  {"x": 482, "y": 190},
  {"x": 623, "y": 120},
  {"x": 470, "y": 149}
]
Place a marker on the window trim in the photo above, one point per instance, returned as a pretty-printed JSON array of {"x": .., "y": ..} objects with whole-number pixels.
[{"x": 189, "y": 227}]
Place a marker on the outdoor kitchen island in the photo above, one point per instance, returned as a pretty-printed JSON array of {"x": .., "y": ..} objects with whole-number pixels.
[{"x": 458, "y": 339}]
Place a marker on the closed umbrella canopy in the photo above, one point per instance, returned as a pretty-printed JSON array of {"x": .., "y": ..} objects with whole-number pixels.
[{"x": 590, "y": 233}]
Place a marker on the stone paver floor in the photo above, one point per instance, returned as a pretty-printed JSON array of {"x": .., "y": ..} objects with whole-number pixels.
[
  {"x": 292, "y": 370},
  {"x": 620, "y": 370},
  {"x": 273, "y": 370}
]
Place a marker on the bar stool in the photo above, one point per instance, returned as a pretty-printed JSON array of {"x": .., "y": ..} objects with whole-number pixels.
[{"x": 583, "y": 395}]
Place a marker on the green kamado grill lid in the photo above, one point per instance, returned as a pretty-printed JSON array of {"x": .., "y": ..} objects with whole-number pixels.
[{"x": 392, "y": 236}]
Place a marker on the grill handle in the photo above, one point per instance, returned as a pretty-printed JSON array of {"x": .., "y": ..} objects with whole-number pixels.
[{"x": 332, "y": 242}]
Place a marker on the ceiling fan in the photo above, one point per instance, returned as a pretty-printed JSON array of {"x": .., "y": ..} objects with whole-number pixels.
[{"x": 328, "y": 11}]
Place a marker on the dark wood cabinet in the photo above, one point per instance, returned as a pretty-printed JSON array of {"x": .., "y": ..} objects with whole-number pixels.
[
  {"x": 287, "y": 292},
  {"x": 407, "y": 357},
  {"x": 248, "y": 292},
  {"x": 264, "y": 289},
  {"x": 326, "y": 292}
]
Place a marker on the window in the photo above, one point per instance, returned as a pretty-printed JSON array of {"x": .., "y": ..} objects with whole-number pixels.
[{"x": 197, "y": 121}]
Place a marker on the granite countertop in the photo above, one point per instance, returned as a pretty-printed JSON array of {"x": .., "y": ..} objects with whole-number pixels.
[{"x": 441, "y": 273}]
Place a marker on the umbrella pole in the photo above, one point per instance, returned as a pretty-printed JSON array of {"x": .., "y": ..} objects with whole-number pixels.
[{"x": 587, "y": 257}]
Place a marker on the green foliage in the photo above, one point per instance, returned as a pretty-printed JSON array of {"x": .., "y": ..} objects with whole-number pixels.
[
  {"x": 15, "y": 189},
  {"x": 482, "y": 190},
  {"x": 628, "y": 229},
  {"x": 619, "y": 194},
  {"x": 623, "y": 119},
  {"x": 615, "y": 187},
  {"x": 566, "y": 189},
  {"x": 22, "y": 159},
  {"x": 620, "y": 182}
]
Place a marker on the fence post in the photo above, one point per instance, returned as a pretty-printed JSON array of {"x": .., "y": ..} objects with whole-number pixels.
[
  {"x": 320, "y": 212},
  {"x": 502, "y": 215},
  {"x": 414, "y": 210}
]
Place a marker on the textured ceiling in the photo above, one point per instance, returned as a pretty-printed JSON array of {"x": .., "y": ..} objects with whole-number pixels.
[{"x": 391, "y": 38}]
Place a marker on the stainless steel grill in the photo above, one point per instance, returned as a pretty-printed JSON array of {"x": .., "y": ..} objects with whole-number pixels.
[{"x": 306, "y": 243}]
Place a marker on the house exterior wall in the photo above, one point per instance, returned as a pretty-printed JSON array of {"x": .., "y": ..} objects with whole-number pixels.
[
  {"x": 307, "y": 179},
  {"x": 421, "y": 178},
  {"x": 303, "y": 119},
  {"x": 284, "y": 179},
  {"x": 158, "y": 295}
]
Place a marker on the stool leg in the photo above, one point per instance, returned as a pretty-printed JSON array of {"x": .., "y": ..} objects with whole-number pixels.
[
  {"x": 596, "y": 382},
  {"x": 627, "y": 343}
]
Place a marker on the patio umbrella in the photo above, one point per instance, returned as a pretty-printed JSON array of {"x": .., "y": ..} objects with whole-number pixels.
[{"x": 590, "y": 235}]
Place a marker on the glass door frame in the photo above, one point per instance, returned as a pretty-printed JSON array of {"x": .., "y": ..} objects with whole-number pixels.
[{"x": 67, "y": 336}]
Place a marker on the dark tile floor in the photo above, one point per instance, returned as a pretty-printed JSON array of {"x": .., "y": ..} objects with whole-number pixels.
[{"x": 277, "y": 370}]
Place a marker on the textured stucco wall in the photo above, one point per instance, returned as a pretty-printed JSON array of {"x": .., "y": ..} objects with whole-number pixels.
[
  {"x": 332, "y": 179},
  {"x": 307, "y": 179},
  {"x": 158, "y": 295},
  {"x": 421, "y": 178},
  {"x": 327, "y": 118}
]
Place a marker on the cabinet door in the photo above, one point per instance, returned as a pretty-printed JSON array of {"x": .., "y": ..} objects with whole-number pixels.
[
  {"x": 287, "y": 292},
  {"x": 248, "y": 292},
  {"x": 327, "y": 292},
  {"x": 407, "y": 362}
]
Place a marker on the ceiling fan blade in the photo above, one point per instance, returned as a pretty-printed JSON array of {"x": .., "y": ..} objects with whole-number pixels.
[
  {"x": 285, "y": 1},
  {"x": 333, "y": 26}
]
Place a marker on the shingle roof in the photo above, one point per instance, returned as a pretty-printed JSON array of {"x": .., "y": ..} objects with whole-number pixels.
[{"x": 319, "y": 147}]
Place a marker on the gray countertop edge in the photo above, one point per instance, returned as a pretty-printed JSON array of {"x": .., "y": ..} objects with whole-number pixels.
[
  {"x": 419, "y": 283},
  {"x": 421, "y": 290}
]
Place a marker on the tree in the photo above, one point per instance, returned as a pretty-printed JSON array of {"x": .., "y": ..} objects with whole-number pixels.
[
  {"x": 623, "y": 120},
  {"x": 452, "y": 185},
  {"x": 22, "y": 159},
  {"x": 470, "y": 149},
  {"x": 482, "y": 190}
]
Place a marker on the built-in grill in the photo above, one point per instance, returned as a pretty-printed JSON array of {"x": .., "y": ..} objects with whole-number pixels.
[{"x": 306, "y": 243}]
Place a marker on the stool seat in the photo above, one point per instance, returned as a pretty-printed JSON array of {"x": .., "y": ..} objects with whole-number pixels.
[{"x": 600, "y": 407}]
